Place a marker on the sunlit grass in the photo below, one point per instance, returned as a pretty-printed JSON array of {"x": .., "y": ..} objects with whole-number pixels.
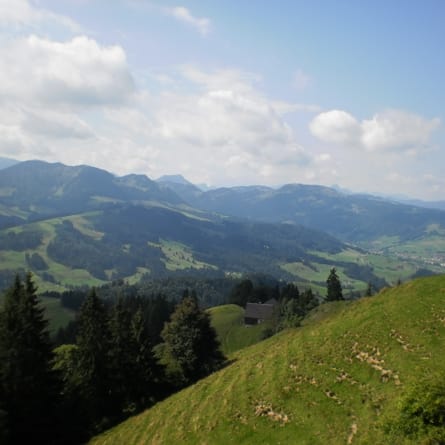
[{"x": 333, "y": 381}]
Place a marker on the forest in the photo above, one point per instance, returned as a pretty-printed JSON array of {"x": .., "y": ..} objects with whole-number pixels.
[{"x": 119, "y": 356}]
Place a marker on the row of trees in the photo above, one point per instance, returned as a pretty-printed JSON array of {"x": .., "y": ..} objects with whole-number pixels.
[{"x": 63, "y": 395}]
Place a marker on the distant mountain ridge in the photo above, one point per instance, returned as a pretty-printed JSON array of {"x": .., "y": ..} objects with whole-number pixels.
[
  {"x": 38, "y": 189},
  {"x": 350, "y": 217},
  {"x": 84, "y": 225},
  {"x": 7, "y": 162},
  {"x": 78, "y": 225}
]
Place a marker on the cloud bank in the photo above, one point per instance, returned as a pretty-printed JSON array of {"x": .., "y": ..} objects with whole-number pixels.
[
  {"x": 388, "y": 130},
  {"x": 78, "y": 71}
]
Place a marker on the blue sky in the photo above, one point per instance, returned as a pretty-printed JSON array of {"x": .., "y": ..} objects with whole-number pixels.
[{"x": 231, "y": 92}]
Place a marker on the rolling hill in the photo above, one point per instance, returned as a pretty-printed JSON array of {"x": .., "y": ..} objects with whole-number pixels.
[
  {"x": 350, "y": 375},
  {"x": 84, "y": 226},
  {"x": 33, "y": 190},
  {"x": 350, "y": 217}
]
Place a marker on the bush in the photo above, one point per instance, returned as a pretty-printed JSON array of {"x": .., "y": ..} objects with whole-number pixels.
[{"x": 421, "y": 414}]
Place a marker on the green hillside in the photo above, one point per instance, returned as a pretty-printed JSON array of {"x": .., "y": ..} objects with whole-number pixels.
[
  {"x": 233, "y": 334},
  {"x": 81, "y": 225},
  {"x": 337, "y": 380}
]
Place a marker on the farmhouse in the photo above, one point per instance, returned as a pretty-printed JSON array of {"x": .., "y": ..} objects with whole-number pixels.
[{"x": 256, "y": 313}]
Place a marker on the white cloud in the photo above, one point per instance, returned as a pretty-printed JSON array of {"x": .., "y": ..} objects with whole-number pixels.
[
  {"x": 20, "y": 13},
  {"x": 221, "y": 135},
  {"x": 75, "y": 72},
  {"x": 336, "y": 126},
  {"x": 396, "y": 128},
  {"x": 202, "y": 24},
  {"x": 57, "y": 125},
  {"x": 286, "y": 107},
  {"x": 388, "y": 130}
]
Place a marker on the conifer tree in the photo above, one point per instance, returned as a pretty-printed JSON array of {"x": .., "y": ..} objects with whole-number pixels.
[
  {"x": 290, "y": 291},
  {"x": 93, "y": 372},
  {"x": 28, "y": 386},
  {"x": 334, "y": 288},
  {"x": 147, "y": 376},
  {"x": 121, "y": 349},
  {"x": 190, "y": 345}
]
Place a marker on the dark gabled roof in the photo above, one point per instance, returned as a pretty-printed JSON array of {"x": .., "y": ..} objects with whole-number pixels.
[{"x": 259, "y": 311}]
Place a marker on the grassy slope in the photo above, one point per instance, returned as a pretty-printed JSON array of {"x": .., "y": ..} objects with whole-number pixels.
[
  {"x": 57, "y": 315},
  {"x": 332, "y": 381},
  {"x": 178, "y": 256},
  {"x": 233, "y": 334},
  {"x": 65, "y": 276}
]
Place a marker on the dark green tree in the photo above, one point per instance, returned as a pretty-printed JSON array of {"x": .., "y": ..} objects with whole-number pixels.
[
  {"x": 334, "y": 288},
  {"x": 369, "y": 290},
  {"x": 93, "y": 370},
  {"x": 190, "y": 349},
  {"x": 241, "y": 293},
  {"x": 28, "y": 385},
  {"x": 290, "y": 291},
  {"x": 73, "y": 418},
  {"x": 295, "y": 306},
  {"x": 147, "y": 377},
  {"x": 135, "y": 373},
  {"x": 121, "y": 354}
]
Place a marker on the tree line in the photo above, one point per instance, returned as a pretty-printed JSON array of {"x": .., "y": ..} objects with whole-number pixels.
[
  {"x": 116, "y": 358},
  {"x": 113, "y": 369}
]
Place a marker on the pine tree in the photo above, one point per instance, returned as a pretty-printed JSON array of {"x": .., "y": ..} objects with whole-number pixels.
[
  {"x": 147, "y": 385},
  {"x": 28, "y": 385},
  {"x": 121, "y": 356},
  {"x": 334, "y": 288},
  {"x": 93, "y": 371},
  {"x": 190, "y": 345},
  {"x": 290, "y": 291}
]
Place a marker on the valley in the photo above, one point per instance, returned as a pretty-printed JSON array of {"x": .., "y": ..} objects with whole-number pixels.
[
  {"x": 352, "y": 362},
  {"x": 81, "y": 226}
]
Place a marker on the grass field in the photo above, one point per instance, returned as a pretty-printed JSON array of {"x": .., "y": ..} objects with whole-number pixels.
[
  {"x": 336, "y": 380},
  {"x": 233, "y": 334},
  {"x": 318, "y": 273},
  {"x": 63, "y": 276},
  {"x": 180, "y": 257},
  {"x": 57, "y": 315}
]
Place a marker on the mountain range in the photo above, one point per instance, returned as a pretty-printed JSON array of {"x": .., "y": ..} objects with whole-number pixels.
[
  {"x": 350, "y": 217},
  {"x": 83, "y": 225}
]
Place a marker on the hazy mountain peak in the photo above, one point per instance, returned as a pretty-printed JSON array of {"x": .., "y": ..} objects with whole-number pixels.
[
  {"x": 175, "y": 179},
  {"x": 7, "y": 162}
]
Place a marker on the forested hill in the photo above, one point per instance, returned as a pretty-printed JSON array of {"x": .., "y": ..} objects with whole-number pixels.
[
  {"x": 35, "y": 189},
  {"x": 82, "y": 225},
  {"x": 350, "y": 217}
]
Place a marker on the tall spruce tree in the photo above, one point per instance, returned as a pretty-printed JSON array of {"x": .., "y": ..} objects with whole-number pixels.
[
  {"x": 93, "y": 373},
  {"x": 121, "y": 349},
  {"x": 28, "y": 385},
  {"x": 147, "y": 384},
  {"x": 334, "y": 288},
  {"x": 135, "y": 373},
  {"x": 190, "y": 347}
]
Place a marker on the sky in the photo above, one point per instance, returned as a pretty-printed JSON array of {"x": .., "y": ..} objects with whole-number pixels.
[{"x": 234, "y": 92}]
